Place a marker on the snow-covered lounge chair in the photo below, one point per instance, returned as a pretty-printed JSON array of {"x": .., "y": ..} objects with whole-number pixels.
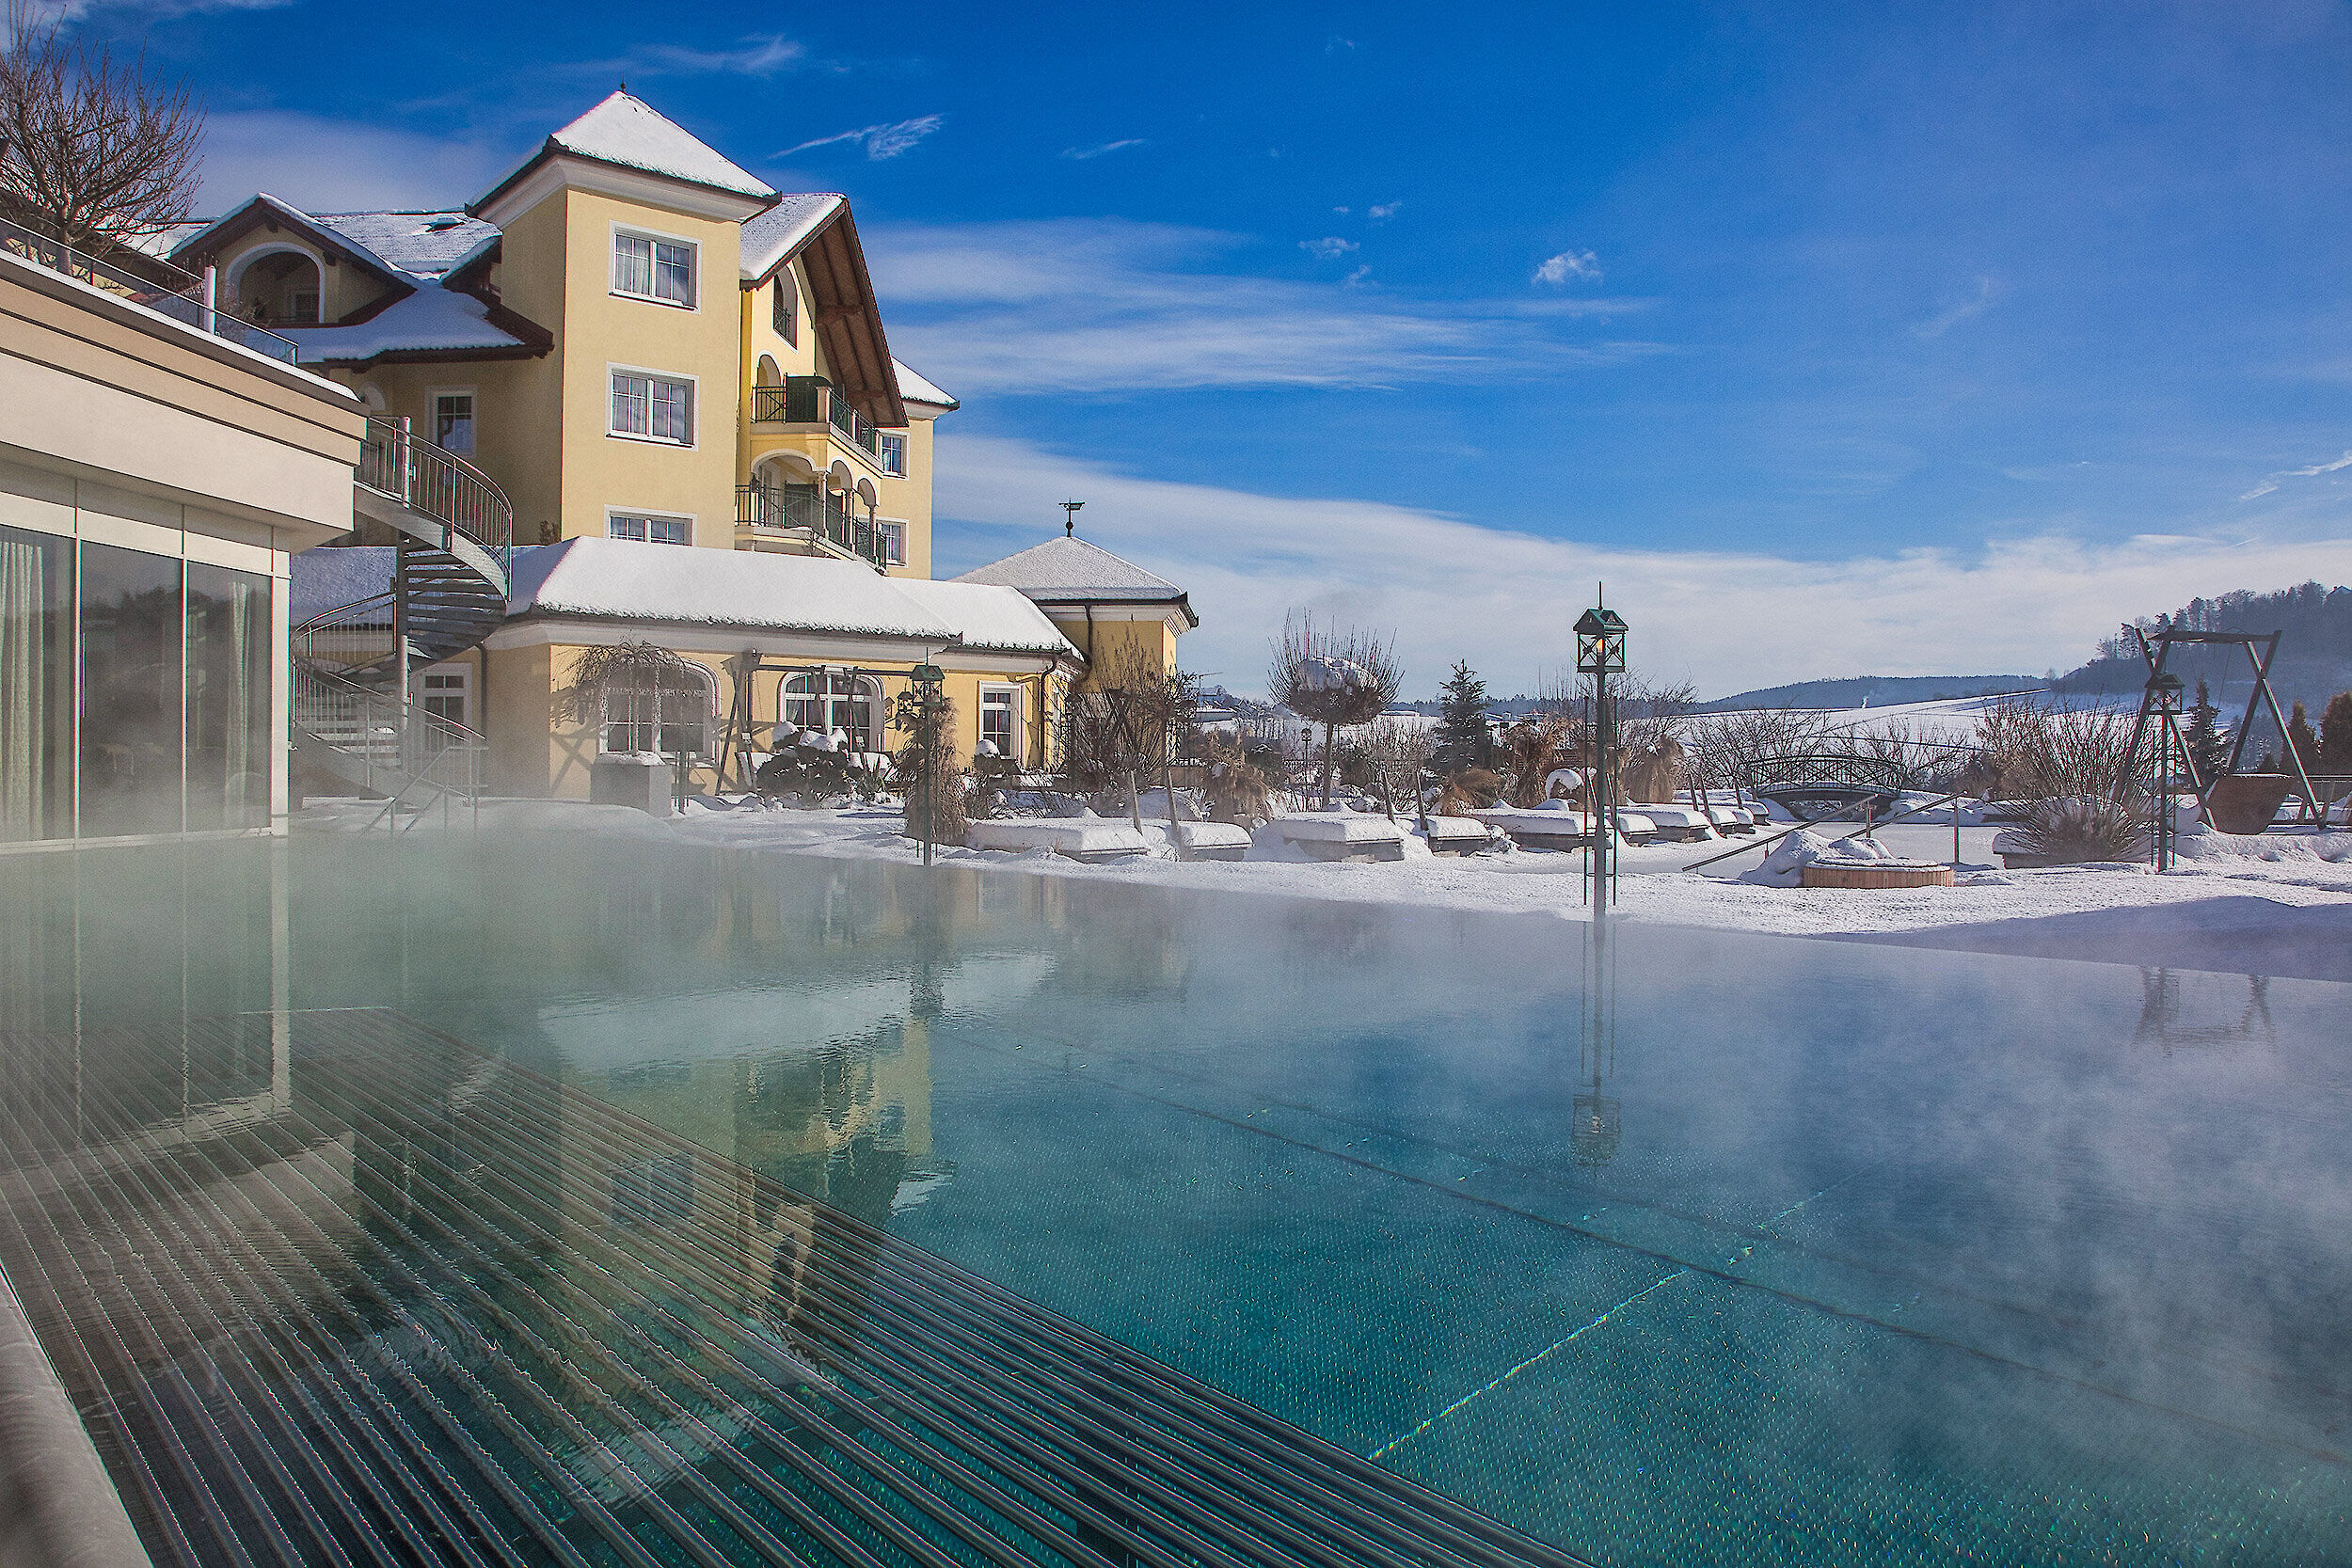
[
  {"x": 1343, "y": 835},
  {"x": 1213, "y": 841},
  {"x": 1678, "y": 823},
  {"x": 1458, "y": 835},
  {"x": 1731, "y": 819},
  {"x": 1635, "y": 826},
  {"x": 1081, "y": 838},
  {"x": 1553, "y": 825}
]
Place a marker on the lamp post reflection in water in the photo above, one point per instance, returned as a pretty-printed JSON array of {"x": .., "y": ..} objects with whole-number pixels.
[{"x": 1596, "y": 1119}]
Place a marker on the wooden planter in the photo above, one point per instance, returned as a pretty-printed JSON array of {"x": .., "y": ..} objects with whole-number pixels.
[
  {"x": 1878, "y": 873},
  {"x": 2246, "y": 803}
]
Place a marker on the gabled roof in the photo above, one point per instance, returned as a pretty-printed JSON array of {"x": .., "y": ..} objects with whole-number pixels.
[
  {"x": 915, "y": 388},
  {"x": 775, "y": 236},
  {"x": 262, "y": 210},
  {"x": 1069, "y": 570},
  {"x": 428, "y": 245},
  {"x": 628, "y": 133},
  {"x": 433, "y": 321}
]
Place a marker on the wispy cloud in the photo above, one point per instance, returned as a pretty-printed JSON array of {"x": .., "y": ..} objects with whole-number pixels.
[
  {"x": 70, "y": 11},
  {"x": 1987, "y": 294},
  {"x": 1083, "y": 154},
  {"x": 1569, "y": 266},
  {"x": 1329, "y": 248},
  {"x": 881, "y": 141},
  {"x": 759, "y": 55},
  {"x": 339, "y": 166},
  {"x": 2272, "y": 481},
  {"x": 1453, "y": 590},
  {"x": 1102, "y": 306},
  {"x": 1382, "y": 210},
  {"x": 1353, "y": 278}
]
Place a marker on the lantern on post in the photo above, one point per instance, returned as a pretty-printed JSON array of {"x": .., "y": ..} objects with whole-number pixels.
[
  {"x": 2163, "y": 701},
  {"x": 1600, "y": 654},
  {"x": 930, "y": 684}
]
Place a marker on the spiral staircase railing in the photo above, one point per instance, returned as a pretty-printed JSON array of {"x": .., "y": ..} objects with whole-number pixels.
[{"x": 354, "y": 714}]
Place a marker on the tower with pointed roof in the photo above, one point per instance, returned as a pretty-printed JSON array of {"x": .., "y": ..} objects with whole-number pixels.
[{"x": 1113, "y": 611}]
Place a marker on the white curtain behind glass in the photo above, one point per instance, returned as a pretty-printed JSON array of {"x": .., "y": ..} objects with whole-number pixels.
[{"x": 24, "y": 673}]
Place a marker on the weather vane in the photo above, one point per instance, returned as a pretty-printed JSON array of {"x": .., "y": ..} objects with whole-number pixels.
[{"x": 1069, "y": 517}]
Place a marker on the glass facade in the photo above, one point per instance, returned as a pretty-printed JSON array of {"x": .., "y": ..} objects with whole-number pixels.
[{"x": 134, "y": 693}]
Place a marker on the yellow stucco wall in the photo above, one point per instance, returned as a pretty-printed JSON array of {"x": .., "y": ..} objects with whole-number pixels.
[{"x": 1111, "y": 644}]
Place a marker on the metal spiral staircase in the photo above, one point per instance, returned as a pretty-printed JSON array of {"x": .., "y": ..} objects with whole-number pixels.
[{"x": 354, "y": 718}]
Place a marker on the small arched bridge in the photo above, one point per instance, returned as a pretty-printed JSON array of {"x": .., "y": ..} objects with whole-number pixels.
[{"x": 1823, "y": 787}]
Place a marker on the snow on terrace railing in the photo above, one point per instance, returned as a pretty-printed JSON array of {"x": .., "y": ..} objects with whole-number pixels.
[
  {"x": 149, "y": 281},
  {"x": 437, "y": 484}
]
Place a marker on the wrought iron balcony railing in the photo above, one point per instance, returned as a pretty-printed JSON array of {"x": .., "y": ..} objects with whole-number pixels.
[
  {"x": 823, "y": 513},
  {"x": 148, "y": 280},
  {"x": 438, "y": 483},
  {"x": 813, "y": 399}
]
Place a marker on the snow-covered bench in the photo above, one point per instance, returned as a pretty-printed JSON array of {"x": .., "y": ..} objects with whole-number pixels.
[
  {"x": 1635, "y": 826},
  {"x": 1343, "y": 835},
  {"x": 1081, "y": 838},
  {"x": 1213, "y": 841},
  {"x": 1553, "y": 825}
]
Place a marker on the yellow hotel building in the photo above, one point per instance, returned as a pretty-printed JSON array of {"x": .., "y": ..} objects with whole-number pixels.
[{"x": 680, "y": 380}]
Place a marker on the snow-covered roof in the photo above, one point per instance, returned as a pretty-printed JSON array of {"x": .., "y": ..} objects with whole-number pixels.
[
  {"x": 425, "y": 244},
  {"x": 624, "y": 579},
  {"x": 771, "y": 236},
  {"x": 988, "y": 617},
  {"x": 1070, "y": 568},
  {"x": 915, "y": 388},
  {"x": 299, "y": 219},
  {"x": 631, "y": 132},
  {"x": 433, "y": 317}
]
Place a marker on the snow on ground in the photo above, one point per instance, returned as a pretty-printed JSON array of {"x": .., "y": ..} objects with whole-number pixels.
[
  {"x": 2281, "y": 903},
  {"x": 1953, "y": 720}
]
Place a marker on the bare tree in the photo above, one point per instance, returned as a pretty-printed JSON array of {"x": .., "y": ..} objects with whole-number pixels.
[
  {"x": 93, "y": 151},
  {"x": 1337, "y": 676},
  {"x": 1726, "y": 747},
  {"x": 2074, "y": 772},
  {"x": 1398, "y": 753}
]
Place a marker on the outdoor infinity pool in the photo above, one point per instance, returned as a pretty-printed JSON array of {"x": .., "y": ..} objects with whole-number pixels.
[{"x": 1675, "y": 1248}]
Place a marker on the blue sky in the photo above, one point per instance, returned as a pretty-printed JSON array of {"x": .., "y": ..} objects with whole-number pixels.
[{"x": 1897, "y": 339}]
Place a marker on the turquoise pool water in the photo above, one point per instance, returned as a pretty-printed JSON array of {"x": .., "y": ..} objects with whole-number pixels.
[{"x": 1692, "y": 1248}]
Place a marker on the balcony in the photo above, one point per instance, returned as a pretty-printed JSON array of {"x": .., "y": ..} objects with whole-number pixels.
[
  {"x": 817, "y": 517},
  {"x": 149, "y": 281},
  {"x": 811, "y": 402}
]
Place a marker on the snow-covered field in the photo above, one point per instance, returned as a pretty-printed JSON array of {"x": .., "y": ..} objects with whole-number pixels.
[{"x": 2278, "y": 904}]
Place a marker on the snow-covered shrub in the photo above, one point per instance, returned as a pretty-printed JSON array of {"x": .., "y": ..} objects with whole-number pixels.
[{"x": 2074, "y": 776}]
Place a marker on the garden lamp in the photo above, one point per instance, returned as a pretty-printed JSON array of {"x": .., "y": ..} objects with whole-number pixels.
[{"x": 1600, "y": 643}]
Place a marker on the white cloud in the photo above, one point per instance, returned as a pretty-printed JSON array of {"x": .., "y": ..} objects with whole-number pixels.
[
  {"x": 881, "y": 141},
  {"x": 759, "y": 55},
  {"x": 1382, "y": 212},
  {"x": 2271, "y": 483},
  {"x": 1569, "y": 266},
  {"x": 1102, "y": 305},
  {"x": 1728, "y": 620},
  {"x": 1988, "y": 294},
  {"x": 1353, "y": 278},
  {"x": 337, "y": 165},
  {"x": 1083, "y": 154},
  {"x": 73, "y": 10},
  {"x": 1329, "y": 248}
]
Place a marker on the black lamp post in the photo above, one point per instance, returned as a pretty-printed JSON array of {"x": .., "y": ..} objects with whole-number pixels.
[
  {"x": 1600, "y": 654},
  {"x": 930, "y": 682},
  {"x": 2164, "y": 702}
]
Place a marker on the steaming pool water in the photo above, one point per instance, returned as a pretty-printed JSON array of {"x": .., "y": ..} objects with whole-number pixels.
[{"x": 1664, "y": 1247}]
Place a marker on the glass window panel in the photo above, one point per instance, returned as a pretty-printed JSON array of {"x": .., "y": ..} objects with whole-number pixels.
[
  {"x": 669, "y": 410},
  {"x": 894, "y": 455},
  {"x": 631, "y": 398},
  {"x": 36, "y": 685},
  {"x": 674, "y": 272},
  {"x": 894, "y": 543},
  {"x": 131, "y": 692},
  {"x": 229, "y": 701},
  {"x": 633, "y": 264},
  {"x": 452, "y": 422},
  {"x": 625, "y": 527}
]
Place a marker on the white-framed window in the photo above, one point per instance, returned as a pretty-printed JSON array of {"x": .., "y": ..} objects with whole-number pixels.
[
  {"x": 452, "y": 420},
  {"x": 893, "y": 536},
  {"x": 893, "y": 455},
  {"x": 667, "y": 710},
  {"x": 784, "y": 311},
  {"x": 653, "y": 407},
  {"x": 1000, "y": 718},
  {"x": 655, "y": 267},
  {"x": 649, "y": 528},
  {"x": 442, "y": 694},
  {"x": 850, "y": 703}
]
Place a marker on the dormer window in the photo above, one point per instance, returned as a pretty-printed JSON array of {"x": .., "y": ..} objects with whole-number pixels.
[{"x": 645, "y": 266}]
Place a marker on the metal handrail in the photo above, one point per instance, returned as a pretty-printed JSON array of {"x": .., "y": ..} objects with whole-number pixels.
[
  {"x": 814, "y": 400},
  {"x": 157, "y": 284},
  {"x": 828, "y": 517},
  {"x": 436, "y": 483},
  {"x": 436, "y": 755}
]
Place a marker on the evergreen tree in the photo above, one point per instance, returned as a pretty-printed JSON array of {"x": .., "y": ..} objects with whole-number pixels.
[
  {"x": 2208, "y": 741},
  {"x": 2301, "y": 738},
  {"x": 1463, "y": 739},
  {"x": 2335, "y": 734}
]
